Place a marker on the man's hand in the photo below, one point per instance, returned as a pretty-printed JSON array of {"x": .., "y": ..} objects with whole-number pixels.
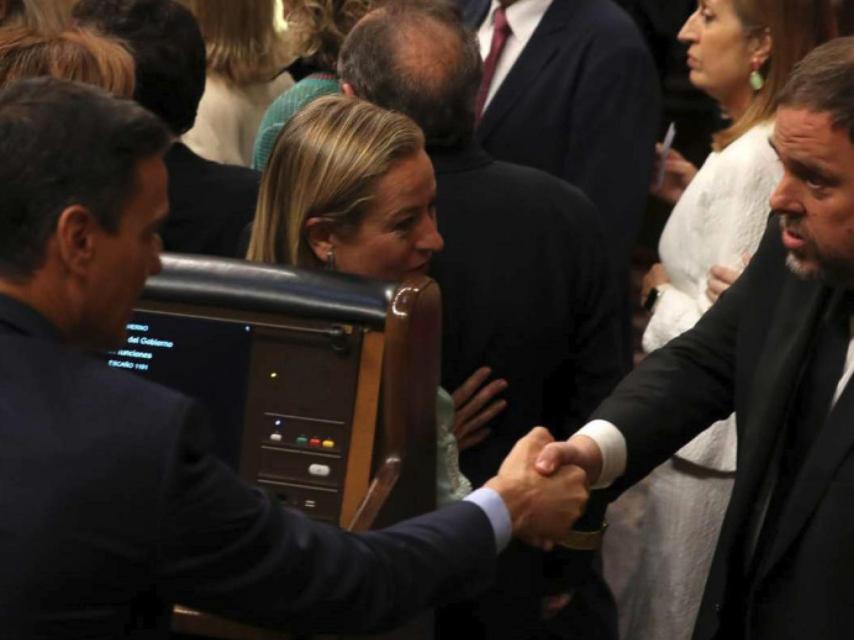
[
  {"x": 581, "y": 451},
  {"x": 542, "y": 509}
]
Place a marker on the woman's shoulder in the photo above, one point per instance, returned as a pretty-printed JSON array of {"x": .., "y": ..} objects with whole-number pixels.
[
  {"x": 748, "y": 160},
  {"x": 752, "y": 146}
]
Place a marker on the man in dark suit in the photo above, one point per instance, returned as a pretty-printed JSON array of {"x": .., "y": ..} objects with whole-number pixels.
[
  {"x": 210, "y": 203},
  {"x": 777, "y": 349},
  {"x": 113, "y": 507},
  {"x": 526, "y": 289},
  {"x": 575, "y": 93}
]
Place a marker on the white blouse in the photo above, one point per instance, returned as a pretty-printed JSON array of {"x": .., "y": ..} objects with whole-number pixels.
[
  {"x": 720, "y": 217},
  {"x": 229, "y": 116}
]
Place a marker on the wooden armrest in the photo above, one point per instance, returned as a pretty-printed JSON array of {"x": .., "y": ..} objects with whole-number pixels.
[{"x": 378, "y": 493}]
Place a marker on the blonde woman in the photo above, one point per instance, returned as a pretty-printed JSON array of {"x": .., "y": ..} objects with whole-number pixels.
[
  {"x": 318, "y": 28},
  {"x": 75, "y": 54},
  {"x": 350, "y": 187},
  {"x": 741, "y": 53},
  {"x": 246, "y": 58}
]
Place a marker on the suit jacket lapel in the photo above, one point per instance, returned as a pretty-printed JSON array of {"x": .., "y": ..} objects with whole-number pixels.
[
  {"x": 775, "y": 377},
  {"x": 832, "y": 446},
  {"x": 540, "y": 50}
]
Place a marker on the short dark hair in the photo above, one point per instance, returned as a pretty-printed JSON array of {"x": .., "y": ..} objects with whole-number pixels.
[
  {"x": 824, "y": 82},
  {"x": 65, "y": 143},
  {"x": 379, "y": 60},
  {"x": 168, "y": 50}
]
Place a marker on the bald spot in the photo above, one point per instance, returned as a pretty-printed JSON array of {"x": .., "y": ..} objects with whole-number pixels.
[{"x": 426, "y": 50}]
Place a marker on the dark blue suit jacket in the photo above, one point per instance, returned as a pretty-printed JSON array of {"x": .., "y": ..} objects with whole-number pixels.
[
  {"x": 113, "y": 509},
  {"x": 582, "y": 102}
]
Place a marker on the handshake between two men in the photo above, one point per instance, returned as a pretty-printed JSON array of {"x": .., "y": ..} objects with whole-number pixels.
[{"x": 543, "y": 501}]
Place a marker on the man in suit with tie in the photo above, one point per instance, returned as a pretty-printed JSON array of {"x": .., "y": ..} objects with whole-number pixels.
[
  {"x": 112, "y": 505},
  {"x": 777, "y": 348},
  {"x": 526, "y": 289},
  {"x": 569, "y": 87}
]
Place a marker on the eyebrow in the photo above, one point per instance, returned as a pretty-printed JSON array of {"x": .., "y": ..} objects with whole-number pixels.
[
  {"x": 806, "y": 169},
  {"x": 403, "y": 211}
]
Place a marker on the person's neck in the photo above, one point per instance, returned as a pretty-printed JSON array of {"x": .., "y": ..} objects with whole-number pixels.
[
  {"x": 39, "y": 299},
  {"x": 736, "y": 106}
]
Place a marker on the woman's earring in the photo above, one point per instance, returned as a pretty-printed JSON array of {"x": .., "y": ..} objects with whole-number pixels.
[
  {"x": 330, "y": 260},
  {"x": 756, "y": 79}
]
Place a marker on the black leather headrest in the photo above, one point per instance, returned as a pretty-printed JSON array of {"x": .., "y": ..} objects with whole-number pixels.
[{"x": 239, "y": 284}]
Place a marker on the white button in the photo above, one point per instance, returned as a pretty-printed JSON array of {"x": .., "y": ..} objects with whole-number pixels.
[
  {"x": 276, "y": 436},
  {"x": 321, "y": 470}
]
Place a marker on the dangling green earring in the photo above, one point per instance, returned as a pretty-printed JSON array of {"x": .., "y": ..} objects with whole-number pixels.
[{"x": 756, "y": 81}]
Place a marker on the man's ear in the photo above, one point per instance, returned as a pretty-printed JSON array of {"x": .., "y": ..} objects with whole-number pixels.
[
  {"x": 346, "y": 87},
  {"x": 76, "y": 235},
  {"x": 320, "y": 238}
]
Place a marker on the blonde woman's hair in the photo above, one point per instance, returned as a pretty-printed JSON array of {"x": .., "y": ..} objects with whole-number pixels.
[
  {"x": 326, "y": 163},
  {"x": 320, "y": 26},
  {"x": 241, "y": 40},
  {"x": 75, "y": 54},
  {"x": 796, "y": 27},
  {"x": 43, "y": 16}
]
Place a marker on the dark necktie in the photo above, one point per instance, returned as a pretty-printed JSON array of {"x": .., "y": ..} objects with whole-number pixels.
[
  {"x": 810, "y": 408},
  {"x": 501, "y": 31}
]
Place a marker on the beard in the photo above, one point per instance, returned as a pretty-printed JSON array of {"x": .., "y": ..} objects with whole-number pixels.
[
  {"x": 800, "y": 269},
  {"x": 803, "y": 262},
  {"x": 812, "y": 262}
]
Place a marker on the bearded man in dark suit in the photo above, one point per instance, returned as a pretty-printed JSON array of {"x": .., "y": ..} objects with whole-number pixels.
[{"x": 777, "y": 348}]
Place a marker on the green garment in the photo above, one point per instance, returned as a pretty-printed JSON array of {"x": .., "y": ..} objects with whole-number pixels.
[
  {"x": 283, "y": 109},
  {"x": 451, "y": 484}
]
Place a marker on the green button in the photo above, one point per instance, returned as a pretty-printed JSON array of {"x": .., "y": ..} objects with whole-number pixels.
[{"x": 302, "y": 440}]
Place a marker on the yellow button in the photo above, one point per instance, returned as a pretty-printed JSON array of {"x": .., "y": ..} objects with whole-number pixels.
[{"x": 328, "y": 444}]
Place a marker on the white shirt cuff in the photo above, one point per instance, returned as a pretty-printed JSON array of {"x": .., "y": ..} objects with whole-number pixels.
[
  {"x": 496, "y": 511},
  {"x": 612, "y": 444}
]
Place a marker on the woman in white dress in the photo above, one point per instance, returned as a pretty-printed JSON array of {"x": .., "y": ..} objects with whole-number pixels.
[{"x": 741, "y": 53}]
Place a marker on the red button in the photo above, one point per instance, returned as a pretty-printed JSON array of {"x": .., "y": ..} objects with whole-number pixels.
[{"x": 314, "y": 442}]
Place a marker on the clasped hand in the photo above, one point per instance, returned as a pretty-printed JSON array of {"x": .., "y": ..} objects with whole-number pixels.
[{"x": 542, "y": 508}]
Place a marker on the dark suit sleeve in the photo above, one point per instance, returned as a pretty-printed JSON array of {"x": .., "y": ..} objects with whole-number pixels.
[
  {"x": 616, "y": 109},
  {"x": 682, "y": 388},
  {"x": 230, "y": 549}
]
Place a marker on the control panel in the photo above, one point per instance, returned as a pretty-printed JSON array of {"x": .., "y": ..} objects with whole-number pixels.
[{"x": 299, "y": 414}]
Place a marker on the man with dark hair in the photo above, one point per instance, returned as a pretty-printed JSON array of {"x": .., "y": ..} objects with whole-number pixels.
[
  {"x": 526, "y": 289},
  {"x": 210, "y": 203},
  {"x": 113, "y": 507},
  {"x": 777, "y": 348}
]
